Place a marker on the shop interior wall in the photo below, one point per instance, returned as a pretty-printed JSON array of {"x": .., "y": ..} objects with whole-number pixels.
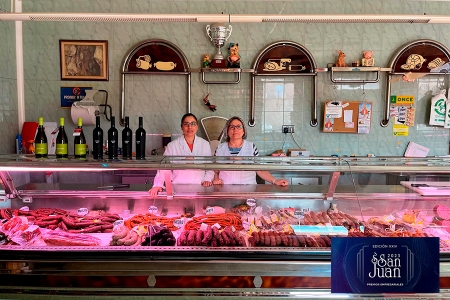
[
  {"x": 8, "y": 90},
  {"x": 162, "y": 100}
]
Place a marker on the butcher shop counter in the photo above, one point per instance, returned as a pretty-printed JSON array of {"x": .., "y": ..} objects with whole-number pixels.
[{"x": 73, "y": 228}]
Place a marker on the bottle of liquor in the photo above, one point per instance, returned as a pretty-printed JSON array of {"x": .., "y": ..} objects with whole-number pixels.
[
  {"x": 140, "y": 140},
  {"x": 40, "y": 141},
  {"x": 127, "y": 140},
  {"x": 97, "y": 149},
  {"x": 79, "y": 142},
  {"x": 62, "y": 141},
  {"x": 112, "y": 139}
]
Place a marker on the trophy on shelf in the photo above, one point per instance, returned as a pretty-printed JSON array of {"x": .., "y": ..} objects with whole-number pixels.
[{"x": 219, "y": 34}]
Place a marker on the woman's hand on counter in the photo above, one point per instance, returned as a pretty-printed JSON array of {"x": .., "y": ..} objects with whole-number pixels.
[
  {"x": 217, "y": 181},
  {"x": 154, "y": 191},
  {"x": 207, "y": 183},
  {"x": 281, "y": 182}
]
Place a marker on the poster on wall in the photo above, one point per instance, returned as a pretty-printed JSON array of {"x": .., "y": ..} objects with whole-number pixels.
[
  {"x": 71, "y": 94},
  {"x": 403, "y": 112}
]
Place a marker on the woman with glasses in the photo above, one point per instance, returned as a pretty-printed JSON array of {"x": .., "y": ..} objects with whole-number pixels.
[
  {"x": 237, "y": 145},
  {"x": 187, "y": 145}
]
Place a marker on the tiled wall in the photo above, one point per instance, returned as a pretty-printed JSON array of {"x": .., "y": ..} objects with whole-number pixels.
[
  {"x": 162, "y": 100},
  {"x": 8, "y": 91}
]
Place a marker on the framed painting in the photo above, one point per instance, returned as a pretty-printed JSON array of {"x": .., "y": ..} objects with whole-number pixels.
[{"x": 83, "y": 60}]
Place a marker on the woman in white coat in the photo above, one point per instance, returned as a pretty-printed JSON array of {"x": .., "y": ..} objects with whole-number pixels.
[
  {"x": 190, "y": 145},
  {"x": 237, "y": 145}
]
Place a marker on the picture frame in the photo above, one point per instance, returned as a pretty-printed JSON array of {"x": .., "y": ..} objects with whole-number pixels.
[{"x": 84, "y": 60}]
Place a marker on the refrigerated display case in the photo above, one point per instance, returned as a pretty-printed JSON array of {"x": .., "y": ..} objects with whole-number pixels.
[{"x": 327, "y": 197}]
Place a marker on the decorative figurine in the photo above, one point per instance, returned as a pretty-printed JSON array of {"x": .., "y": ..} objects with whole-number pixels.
[
  {"x": 211, "y": 107},
  {"x": 234, "y": 59},
  {"x": 368, "y": 60},
  {"x": 206, "y": 61},
  {"x": 341, "y": 59}
]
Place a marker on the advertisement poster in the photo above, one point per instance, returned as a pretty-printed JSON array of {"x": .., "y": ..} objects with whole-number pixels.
[
  {"x": 384, "y": 265},
  {"x": 71, "y": 94}
]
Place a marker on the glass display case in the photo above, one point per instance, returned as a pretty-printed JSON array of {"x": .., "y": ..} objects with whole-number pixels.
[{"x": 90, "y": 226}]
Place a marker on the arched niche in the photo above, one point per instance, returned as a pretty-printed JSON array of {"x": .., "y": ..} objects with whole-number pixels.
[
  {"x": 421, "y": 57},
  {"x": 284, "y": 58},
  {"x": 154, "y": 57}
]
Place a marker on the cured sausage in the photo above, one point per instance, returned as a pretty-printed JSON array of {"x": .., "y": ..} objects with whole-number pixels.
[
  {"x": 442, "y": 212},
  {"x": 199, "y": 237},
  {"x": 207, "y": 236}
]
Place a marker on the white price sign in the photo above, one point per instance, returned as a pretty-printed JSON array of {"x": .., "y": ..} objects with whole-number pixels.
[
  {"x": 118, "y": 223},
  {"x": 251, "y": 202},
  {"x": 210, "y": 210},
  {"x": 153, "y": 209},
  {"x": 178, "y": 223},
  {"x": 83, "y": 211},
  {"x": 299, "y": 214}
]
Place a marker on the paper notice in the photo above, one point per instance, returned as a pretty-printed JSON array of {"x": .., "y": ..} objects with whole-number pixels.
[
  {"x": 348, "y": 116},
  {"x": 416, "y": 150}
]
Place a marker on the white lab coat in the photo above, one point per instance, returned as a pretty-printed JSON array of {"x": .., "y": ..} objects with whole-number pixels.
[
  {"x": 237, "y": 177},
  {"x": 179, "y": 147}
]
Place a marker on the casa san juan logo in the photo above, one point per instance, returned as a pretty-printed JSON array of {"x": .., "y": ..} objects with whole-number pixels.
[{"x": 385, "y": 265}]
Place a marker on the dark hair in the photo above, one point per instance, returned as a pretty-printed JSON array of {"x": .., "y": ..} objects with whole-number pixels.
[
  {"x": 225, "y": 129},
  {"x": 188, "y": 115}
]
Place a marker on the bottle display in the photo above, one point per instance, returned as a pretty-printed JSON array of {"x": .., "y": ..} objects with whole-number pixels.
[
  {"x": 97, "y": 135},
  {"x": 62, "y": 141},
  {"x": 79, "y": 141},
  {"x": 113, "y": 140},
  {"x": 127, "y": 140},
  {"x": 140, "y": 140},
  {"x": 40, "y": 141}
]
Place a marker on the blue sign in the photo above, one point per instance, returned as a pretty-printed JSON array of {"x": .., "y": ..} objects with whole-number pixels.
[
  {"x": 384, "y": 265},
  {"x": 71, "y": 94}
]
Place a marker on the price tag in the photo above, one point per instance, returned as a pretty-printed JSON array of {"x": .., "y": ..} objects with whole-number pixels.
[
  {"x": 83, "y": 211},
  {"x": 251, "y": 202},
  {"x": 204, "y": 226},
  {"x": 299, "y": 214},
  {"x": 153, "y": 209},
  {"x": 178, "y": 223},
  {"x": 210, "y": 210},
  {"x": 118, "y": 223},
  {"x": 217, "y": 225},
  {"x": 24, "y": 208}
]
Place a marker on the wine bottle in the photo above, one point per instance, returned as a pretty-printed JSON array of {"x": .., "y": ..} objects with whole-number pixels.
[
  {"x": 112, "y": 140},
  {"x": 40, "y": 141},
  {"x": 140, "y": 140},
  {"x": 97, "y": 149},
  {"x": 127, "y": 140},
  {"x": 79, "y": 142},
  {"x": 61, "y": 141}
]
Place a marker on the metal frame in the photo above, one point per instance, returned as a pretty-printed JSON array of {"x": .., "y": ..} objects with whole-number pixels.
[
  {"x": 125, "y": 71},
  {"x": 305, "y": 51}
]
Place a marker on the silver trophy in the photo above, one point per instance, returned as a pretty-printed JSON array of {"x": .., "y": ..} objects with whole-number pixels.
[{"x": 219, "y": 34}]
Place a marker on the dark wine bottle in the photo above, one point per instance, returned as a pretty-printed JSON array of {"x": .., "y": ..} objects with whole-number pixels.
[
  {"x": 140, "y": 140},
  {"x": 62, "y": 142},
  {"x": 97, "y": 149},
  {"x": 127, "y": 140},
  {"x": 40, "y": 141},
  {"x": 112, "y": 139},
  {"x": 79, "y": 142}
]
